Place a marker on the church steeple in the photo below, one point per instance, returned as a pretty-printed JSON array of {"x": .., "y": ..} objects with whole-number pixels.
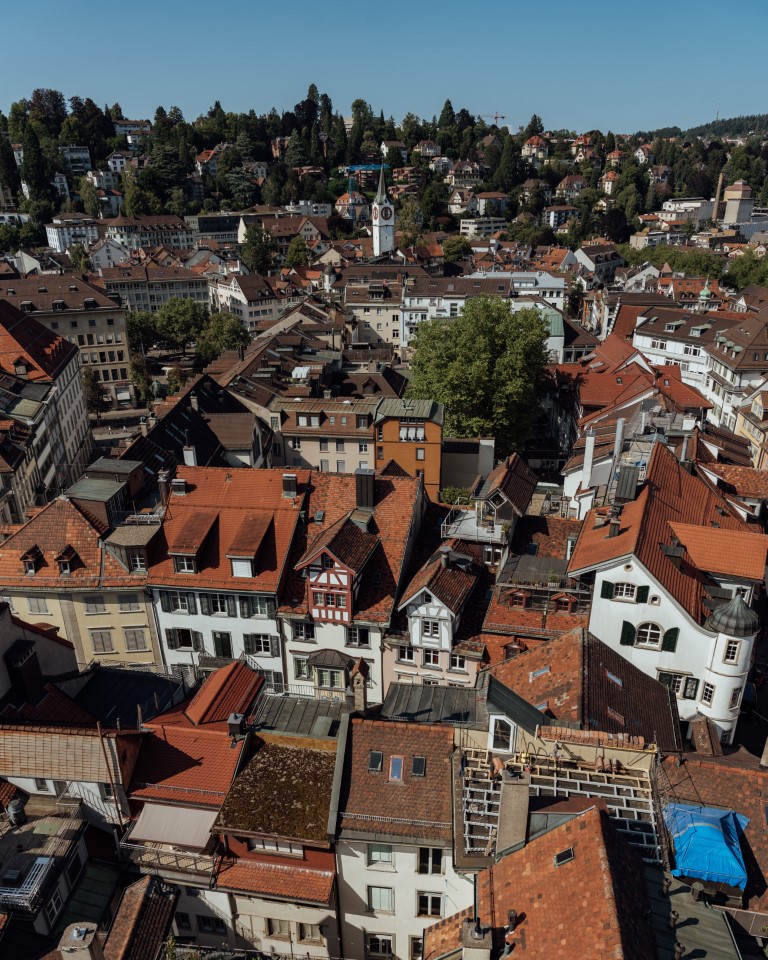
[{"x": 383, "y": 216}]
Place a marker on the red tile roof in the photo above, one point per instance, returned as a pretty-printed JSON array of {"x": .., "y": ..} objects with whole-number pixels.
[
  {"x": 346, "y": 542},
  {"x": 743, "y": 481},
  {"x": 24, "y": 338},
  {"x": 55, "y": 707},
  {"x": 670, "y": 495},
  {"x": 515, "y": 479},
  {"x": 231, "y": 496},
  {"x": 142, "y": 921},
  {"x": 232, "y": 689},
  {"x": 185, "y": 766},
  {"x": 730, "y": 552},
  {"x": 277, "y": 880},
  {"x": 450, "y": 583},
  {"x": 593, "y": 905},
  {"x": 413, "y": 806}
]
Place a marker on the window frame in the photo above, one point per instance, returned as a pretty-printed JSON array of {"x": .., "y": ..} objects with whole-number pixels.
[
  {"x": 426, "y": 857},
  {"x": 649, "y": 627},
  {"x": 736, "y": 645},
  {"x": 370, "y": 888},
  {"x": 378, "y": 860},
  {"x": 708, "y": 693},
  {"x": 628, "y": 591},
  {"x": 429, "y": 899}
]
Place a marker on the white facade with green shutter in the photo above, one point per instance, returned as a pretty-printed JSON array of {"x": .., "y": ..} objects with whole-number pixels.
[
  {"x": 634, "y": 614},
  {"x": 219, "y": 623}
]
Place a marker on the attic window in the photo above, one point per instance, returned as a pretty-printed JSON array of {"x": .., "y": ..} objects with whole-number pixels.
[
  {"x": 534, "y": 674},
  {"x": 20, "y": 367},
  {"x": 418, "y": 766},
  {"x": 565, "y": 856},
  {"x": 615, "y": 716},
  {"x": 89, "y": 303},
  {"x": 396, "y": 769},
  {"x": 375, "y": 761},
  {"x": 614, "y": 679},
  {"x": 26, "y": 306},
  {"x": 58, "y": 304}
]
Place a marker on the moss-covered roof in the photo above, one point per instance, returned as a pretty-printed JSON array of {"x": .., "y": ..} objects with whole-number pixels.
[{"x": 282, "y": 792}]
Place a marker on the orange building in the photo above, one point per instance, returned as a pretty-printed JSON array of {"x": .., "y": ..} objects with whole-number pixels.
[{"x": 410, "y": 432}]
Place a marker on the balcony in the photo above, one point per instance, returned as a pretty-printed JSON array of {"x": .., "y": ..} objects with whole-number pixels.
[
  {"x": 465, "y": 525},
  {"x": 160, "y": 860}
]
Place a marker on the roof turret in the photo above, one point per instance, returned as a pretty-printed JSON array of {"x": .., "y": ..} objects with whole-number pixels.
[{"x": 734, "y": 618}]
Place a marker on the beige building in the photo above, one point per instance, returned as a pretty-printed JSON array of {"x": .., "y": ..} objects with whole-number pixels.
[
  {"x": 150, "y": 286},
  {"x": 86, "y": 317},
  {"x": 377, "y": 306},
  {"x": 56, "y": 571}
]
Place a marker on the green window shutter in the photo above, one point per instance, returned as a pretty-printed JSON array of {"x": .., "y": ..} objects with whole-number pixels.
[
  {"x": 197, "y": 641},
  {"x": 248, "y": 644},
  {"x": 627, "y": 634},
  {"x": 691, "y": 688},
  {"x": 606, "y": 590},
  {"x": 642, "y": 594},
  {"x": 666, "y": 679},
  {"x": 205, "y": 604},
  {"x": 669, "y": 641},
  {"x": 172, "y": 639}
]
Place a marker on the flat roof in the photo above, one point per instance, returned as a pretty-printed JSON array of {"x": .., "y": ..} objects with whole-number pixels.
[{"x": 95, "y": 488}]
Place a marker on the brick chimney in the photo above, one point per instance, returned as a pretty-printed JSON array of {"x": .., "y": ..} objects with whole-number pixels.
[{"x": 79, "y": 942}]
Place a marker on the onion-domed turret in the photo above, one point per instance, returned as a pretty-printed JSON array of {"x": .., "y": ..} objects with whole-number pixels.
[{"x": 735, "y": 619}]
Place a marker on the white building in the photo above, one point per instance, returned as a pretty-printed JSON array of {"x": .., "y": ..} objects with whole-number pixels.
[
  {"x": 70, "y": 228},
  {"x": 674, "y": 572}
]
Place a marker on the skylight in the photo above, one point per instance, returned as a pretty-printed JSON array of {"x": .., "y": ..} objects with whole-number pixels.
[
  {"x": 538, "y": 673},
  {"x": 396, "y": 768},
  {"x": 612, "y": 676},
  {"x": 375, "y": 761},
  {"x": 418, "y": 766},
  {"x": 565, "y": 856}
]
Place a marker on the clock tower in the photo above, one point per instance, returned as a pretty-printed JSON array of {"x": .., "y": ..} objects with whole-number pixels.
[{"x": 383, "y": 215}]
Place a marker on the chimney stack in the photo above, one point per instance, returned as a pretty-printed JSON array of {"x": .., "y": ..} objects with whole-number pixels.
[
  {"x": 193, "y": 401},
  {"x": 614, "y": 526},
  {"x": 163, "y": 485},
  {"x": 80, "y": 942},
  {"x": 24, "y": 672},
  {"x": 143, "y": 426},
  {"x": 290, "y": 485},
  {"x": 357, "y": 678},
  {"x": 618, "y": 445},
  {"x": 364, "y": 489}
]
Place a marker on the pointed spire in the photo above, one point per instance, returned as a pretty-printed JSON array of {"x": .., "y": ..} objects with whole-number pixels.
[{"x": 381, "y": 194}]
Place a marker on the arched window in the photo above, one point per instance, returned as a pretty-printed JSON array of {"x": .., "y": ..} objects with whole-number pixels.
[{"x": 649, "y": 634}]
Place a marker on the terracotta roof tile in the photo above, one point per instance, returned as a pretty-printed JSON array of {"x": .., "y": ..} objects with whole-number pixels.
[
  {"x": 719, "y": 551},
  {"x": 277, "y": 880},
  {"x": 142, "y": 921},
  {"x": 743, "y": 481},
  {"x": 231, "y": 689},
  {"x": 593, "y": 905},
  {"x": 23, "y": 337}
]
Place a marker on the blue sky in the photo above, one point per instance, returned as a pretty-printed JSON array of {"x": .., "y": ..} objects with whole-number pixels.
[{"x": 622, "y": 66}]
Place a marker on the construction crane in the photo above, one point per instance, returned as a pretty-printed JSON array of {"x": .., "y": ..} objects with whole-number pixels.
[{"x": 493, "y": 116}]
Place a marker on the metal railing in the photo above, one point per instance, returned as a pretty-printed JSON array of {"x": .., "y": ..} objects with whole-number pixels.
[
  {"x": 159, "y": 859},
  {"x": 464, "y": 524}
]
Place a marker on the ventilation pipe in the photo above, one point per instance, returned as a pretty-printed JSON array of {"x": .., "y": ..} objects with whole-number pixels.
[{"x": 589, "y": 456}]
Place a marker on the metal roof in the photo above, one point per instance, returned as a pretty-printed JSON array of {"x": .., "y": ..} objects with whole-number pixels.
[
  {"x": 426, "y": 704},
  {"x": 395, "y": 407},
  {"x": 513, "y": 707}
]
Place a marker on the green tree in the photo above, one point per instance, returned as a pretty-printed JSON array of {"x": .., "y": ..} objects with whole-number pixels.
[
  {"x": 447, "y": 116},
  {"x": 487, "y": 367},
  {"x": 258, "y": 249},
  {"x": 95, "y": 401},
  {"x": 535, "y": 127},
  {"x": 78, "y": 257},
  {"x": 180, "y": 322},
  {"x": 746, "y": 270},
  {"x": 223, "y": 331},
  {"x": 89, "y": 197},
  {"x": 9, "y": 172},
  {"x": 35, "y": 170},
  {"x": 410, "y": 222},
  {"x": 141, "y": 330},
  {"x": 456, "y": 248},
  {"x": 298, "y": 253},
  {"x": 177, "y": 377}
]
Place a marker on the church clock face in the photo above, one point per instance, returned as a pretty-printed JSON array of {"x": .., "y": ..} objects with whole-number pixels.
[{"x": 386, "y": 213}]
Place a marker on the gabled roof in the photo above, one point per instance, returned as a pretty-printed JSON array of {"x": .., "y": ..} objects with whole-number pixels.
[
  {"x": 731, "y": 553},
  {"x": 278, "y": 881},
  {"x": 450, "y": 574},
  {"x": 231, "y": 689},
  {"x": 23, "y": 338},
  {"x": 515, "y": 479},
  {"x": 670, "y": 495},
  {"x": 345, "y": 541},
  {"x": 591, "y": 905}
]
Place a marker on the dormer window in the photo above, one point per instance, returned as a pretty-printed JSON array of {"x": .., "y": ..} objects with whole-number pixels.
[
  {"x": 58, "y": 305},
  {"x": 26, "y": 306},
  {"x": 184, "y": 564},
  {"x": 20, "y": 367},
  {"x": 31, "y": 560},
  {"x": 64, "y": 568},
  {"x": 519, "y": 599}
]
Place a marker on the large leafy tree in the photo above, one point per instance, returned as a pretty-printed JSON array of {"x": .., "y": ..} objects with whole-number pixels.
[
  {"x": 180, "y": 322},
  {"x": 486, "y": 366},
  {"x": 298, "y": 254},
  {"x": 258, "y": 249},
  {"x": 95, "y": 401},
  {"x": 223, "y": 331},
  {"x": 35, "y": 169}
]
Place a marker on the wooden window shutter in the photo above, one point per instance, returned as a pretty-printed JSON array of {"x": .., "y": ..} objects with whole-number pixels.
[
  {"x": 245, "y": 607},
  {"x": 192, "y": 604},
  {"x": 669, "y": 640},
  {"x": 274, "y": 646},
  {"x": 627, "y": 634},
  {"x": 205, "y": 606},
  {"x": 606, "y": 590},
  {"x": 248, "y": 643},
  {"x": 172, "y": 639},
  {"x": 165, "y": 601},
  {"x": 197, "y": 641},
  {"x": 642, "y": 594},
  {"x": 231, "y": 606},
  {"x": 271, "y": 607}
]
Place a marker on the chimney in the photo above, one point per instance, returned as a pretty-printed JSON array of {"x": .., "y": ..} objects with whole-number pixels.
[
  {"x": 193, "y": 401},
  {"x": 589, "y": 456},
  {"x": 24, "y": 671},
  {"x": 618, "y": 446},
  {"x": 614, "y": 525},
  {"x": 444, "y": 556},
  {"x": 290, "y": 485},
  {"x": 476, "y": 941},
  {"x": 80, "y": 942},
  {"x": 190, "y": 455},
  {"x": 364, "y": 489},
  {"x": 151, "y": 420},
  {"x": 163, "y": 485},
  {"x": 143, "y": 426}
]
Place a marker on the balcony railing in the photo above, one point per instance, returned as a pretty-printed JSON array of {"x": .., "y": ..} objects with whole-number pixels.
[
  {"x": 159, "y": 860},
  {"x": 464, "y": 524}
]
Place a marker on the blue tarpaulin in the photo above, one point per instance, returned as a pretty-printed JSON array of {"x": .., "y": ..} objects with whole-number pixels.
[{"x": 707, "y": 843}]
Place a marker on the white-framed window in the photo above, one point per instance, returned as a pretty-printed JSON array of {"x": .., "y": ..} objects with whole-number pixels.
[
  {"x": 430, "y": 628},
  {"x": 649, "y": 635},
  {"x": 731, "y": 651},
  {"x": 431, "y": 658},
  {"x": 206, "y": 924},
  {"x": 137, "y": 561},
  {"x": 303, "y": 630},
  {"x": 624, "y": 591},
  {"x": 735, "y": 697},
  {"x": 707, "y": 693},
  {"x": 380, "y": 945},
  {"x": 276, "y": 846},
  {"x": 430, "y": 860},
  {"x": 41, "y": 785},
  {"x": 329, "y": 679},
  {"x": 358, "y": 637},
  {"x": 53, "y": 907},
  {"x": 183, "y": 564},
  {"x": 101, "y": 641},
  {"x": 301, "y": 669},
  {"x": 179, "y": 601},
  {"x": 420, "y": 453},
  {"x": 279, "y": 929},
  {"x": 95, "y": 605},
  {"x": 429, "y": 905},
  {"x": 128, "y": 602},
  {"x": 380, "y": 853},
  {"x": 310, "y": 931},
  {"x": 256, "y": 643},
  {"x": 135, "y": 639},
  {"x": 657, "y": 344},
  {"x": 405, "y": 654},
  {"x": 38, "y": 605},
  {"x": 458, "y": 662},
  {"x": 416, "y": 948},
  {"x": 381, "y": 899}
]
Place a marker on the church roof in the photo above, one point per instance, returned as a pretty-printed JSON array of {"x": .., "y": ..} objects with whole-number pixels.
[{"x": 381, "y": 193}]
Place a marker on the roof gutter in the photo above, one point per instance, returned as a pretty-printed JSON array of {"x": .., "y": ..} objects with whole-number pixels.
[{"x": 338, "y": 772}]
